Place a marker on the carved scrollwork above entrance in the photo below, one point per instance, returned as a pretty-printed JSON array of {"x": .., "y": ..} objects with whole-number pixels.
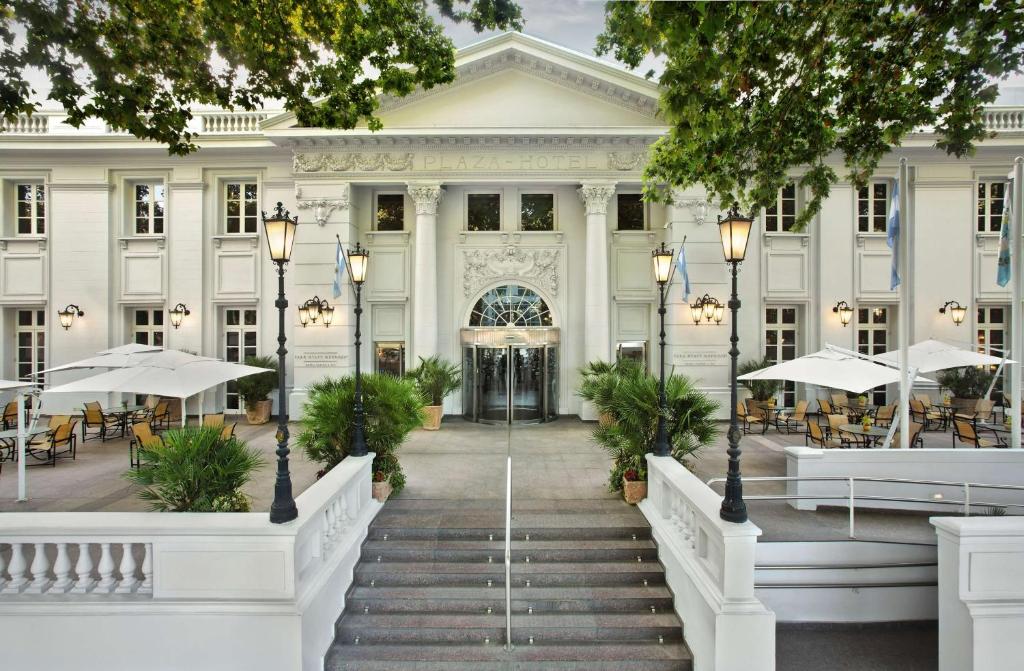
[
  {"x": 343, "y": 162},
  {"x": 483, "y": 266},
  {"x": 625, "y": 160}
]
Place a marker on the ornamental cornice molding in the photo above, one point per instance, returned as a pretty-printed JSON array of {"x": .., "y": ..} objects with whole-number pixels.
[
  {"x": 514, "y": 59},
  {"x": 426, "y": 197},
  {"x": 483, "y": 266},
  {"x": 458, "y": 142},
  {"x": 596, "y": 196},
  {"x": 351, "y": 161}
]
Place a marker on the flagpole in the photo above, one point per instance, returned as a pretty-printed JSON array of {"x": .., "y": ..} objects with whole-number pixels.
[
  {"x": 903, "y": 315},
  {"x": 1016, "y": 328}
]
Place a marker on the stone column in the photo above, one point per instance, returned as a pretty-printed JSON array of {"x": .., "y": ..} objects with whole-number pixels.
[
  {"x": 426, "y": 196},
  {"x": 597, "y": 297}
]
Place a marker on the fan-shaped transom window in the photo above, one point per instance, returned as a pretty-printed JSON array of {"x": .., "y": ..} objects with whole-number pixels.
[{"x": 510, "y": 305}]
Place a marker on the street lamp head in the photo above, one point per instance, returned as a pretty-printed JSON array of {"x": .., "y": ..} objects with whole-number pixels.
[
  {"x": 845, "y": 312},
  {"x": 280, "y": 228},
  {"x": 662, "y": 258},
  {"x": 178, "y": 313},
  {"x": 956, "y": 311},
  {"x": 68, "y": 314},
  {"x": 735, "y": 232},
  {"x": 358, "y": 261}
]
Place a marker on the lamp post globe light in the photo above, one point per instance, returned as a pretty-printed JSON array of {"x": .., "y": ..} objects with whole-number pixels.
[
  {"x": 280, "y": 229},
  {"x": 662, "y": 258},
  {"x": 358, "y": 262},
  {"x": 735, "y": 232}
]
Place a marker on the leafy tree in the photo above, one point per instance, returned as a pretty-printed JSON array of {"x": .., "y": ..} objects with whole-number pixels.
[
  {"x": 140, "y": 64},
  {"x": 758, "y": 92}
]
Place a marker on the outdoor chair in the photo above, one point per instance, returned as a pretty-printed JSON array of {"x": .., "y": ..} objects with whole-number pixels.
[
  {"x": 883, "y": 417},
  {"x": 57, "y": 420},
  {"x": 834, "y": 422},
  {"x": 818, "y": 438},
  {"x": 928, "y": 418},
  {"x": 966, "y": 433},
  {"x": 215, "y": 421},
  {"x": 744, "y": 416},
  {"x": 825, "y": 407},
  {"x": 984, "y": 409},
  {"x": 915, "y": 436},
  {"x": 93, "y": 417},
  {"x": 142, "y": 436},
  {"x": 11, "y": 415},
  {"x": 161, "y": 415},
  {"x": 792, "y": 420},
  {"x": 840, "y": 401},
  {"x": 924, "y": 398},
  {"x": 62, "y": 440},
  {"x": 228, "y": 431}
]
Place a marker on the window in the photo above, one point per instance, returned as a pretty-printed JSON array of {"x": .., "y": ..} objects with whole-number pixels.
[
  {"x": 241, "y": 207},
  {"x": 537, "y": 211},
  {"x": 483, "y": 212},
  {"x": 149, "y": 209},
  {"x": 780, "y": 344},
  {"x": 510, "y": 305},
  {"x": 148, "y": 327},
  {"x": 390, "y": 212},
  {"x": 634, "y": 351},
  {"x": 990, "y": 206},
  {"x": 992, "y": 333},
  {"x": 872, "y": 207},
  {"x": 30, "y": 334},
  {"x": 30, "y": 208},
  {"x": 630, "y": 209},
  {"x": 239, "y": 344},
  {"x": 782, "y": 215},
  {"x": 873, "y": 339},
  {"x": 391, "y": 358}
]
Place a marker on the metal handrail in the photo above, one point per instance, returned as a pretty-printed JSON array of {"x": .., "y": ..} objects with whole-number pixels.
[
  {"x": 851, "y": 498},
  {"x": 508, "y": 553}
]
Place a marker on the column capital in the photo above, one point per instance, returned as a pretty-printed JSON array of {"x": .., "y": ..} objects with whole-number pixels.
[
  {"x": 595, "y": 196},
  {"x": 426, "y": 196}
]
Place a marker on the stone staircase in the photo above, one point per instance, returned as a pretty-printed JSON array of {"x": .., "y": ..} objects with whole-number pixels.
[{"x": 588, "y": 591}]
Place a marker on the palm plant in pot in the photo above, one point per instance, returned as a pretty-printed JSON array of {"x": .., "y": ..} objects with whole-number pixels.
[
  {"x": 762, "y": 392},
  {"x": 598, "y": 378},
  {"x": 436, "y": 379},
  {"x": 255, "y": 389}
]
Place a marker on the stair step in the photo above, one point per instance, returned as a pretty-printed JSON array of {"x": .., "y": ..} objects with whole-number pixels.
[
  {"x": 482, "y": 551},
  {"x": 540, "y": 599},
  {"x": 540, "y": 574},
  {"x": 400, "y": 529},
  {"x": 591, "y": 657}
]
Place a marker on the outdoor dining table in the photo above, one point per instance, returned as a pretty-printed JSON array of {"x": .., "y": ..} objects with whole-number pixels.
[
  {"x": 871, "y": 435},
  {"x": 122, "y": 412},
  {"x": 9, "y": 441},
  {"x": 856, "y": 411}
]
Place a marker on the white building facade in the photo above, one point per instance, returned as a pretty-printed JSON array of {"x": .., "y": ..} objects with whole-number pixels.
[{"x": 506, "y": 232}]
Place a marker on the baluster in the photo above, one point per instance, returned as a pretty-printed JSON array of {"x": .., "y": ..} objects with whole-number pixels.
[
  {"x": 147, "y": 570},
  {"x": 3, "y": 566},
  {"x": 127, "y": 570},
  {"x": 83, "y": 571},
  {"x": 16, "y": 569},
  {"x": 331, "y": 521},
  {"x": 40, "y": 570},
  {"x": 62, "y": 571},
  {"x": 107, "y": 582}
]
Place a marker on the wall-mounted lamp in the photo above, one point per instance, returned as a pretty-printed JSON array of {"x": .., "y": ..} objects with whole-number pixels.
[
  {"x": 707, "y": 308},
  {"x": 314, "y": 309},
  {"x": 845, "y": 312},
  {"x": 68, "y": 314},
  {"x": 956, "y": 311},
  {"x": 178, "y": 313}
]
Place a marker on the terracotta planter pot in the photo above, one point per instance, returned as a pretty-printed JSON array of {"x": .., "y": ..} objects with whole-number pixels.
[
  {"x": 965, "y": 404},
  {"x": 381, "y": 491},
  {"x": 605, "y": 419},
  {"x": 432, "y": 419},
  {"x": 634, "y": 491},
  {"x": 259, "y": 413}
]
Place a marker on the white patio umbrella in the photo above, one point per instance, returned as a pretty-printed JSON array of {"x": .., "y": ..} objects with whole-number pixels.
[
  {"x": 128, "y": 356},
  {"x": 193, "y": 376},
  {"x": 6, "y": 385},
  {"x": 830, "y": 368},
  {"x": 934, "y": 355}
]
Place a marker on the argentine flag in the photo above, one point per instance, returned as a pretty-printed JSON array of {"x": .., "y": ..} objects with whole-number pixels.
[
  {"x": 894, "y": 235},
  {"x": 1003, "y": 262},
  {"x": 681, "y": 269},
  {"x": 339, "y": 270}
]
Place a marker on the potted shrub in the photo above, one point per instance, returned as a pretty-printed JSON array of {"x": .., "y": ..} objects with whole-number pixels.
[
  {"x": 381, "y": 486},
  {"x": 598, "y": 377},
  {"x": 193, "y": 469},
  {"x": 634, "y": 488},
  {"x": 631, "y": 401},
  {"x": 393, "y": 407},
  {"x": 762, "y": 392},
  {"x": 255, "y": 389},
  {"x": 967, "y": 384},
  {"x": 436, "y": 379}
]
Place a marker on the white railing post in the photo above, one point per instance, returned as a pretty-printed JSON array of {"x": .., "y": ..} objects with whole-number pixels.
[
  {"x": 127, "y": 570},
  {"x": 61, "y": 571},
  {"x": 40, "y": 570},
  {"x": 107, "y": 582},
  {"x": 16, "y": 569},
  {"x": 967, "y": 499},
  {"x": 851, "y": 506}
]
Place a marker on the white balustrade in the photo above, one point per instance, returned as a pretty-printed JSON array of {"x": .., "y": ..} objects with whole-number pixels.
[
  {"x": 231, "y": 122},
  {"x": 26, "y": 124},
  {"x": 42, "y": 576},
  {"x": 1001, "y": 119}
]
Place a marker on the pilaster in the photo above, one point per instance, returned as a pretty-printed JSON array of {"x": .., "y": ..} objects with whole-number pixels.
[
  {"x": 597, "y": 299},
  {"x": 426, "y": 196}
]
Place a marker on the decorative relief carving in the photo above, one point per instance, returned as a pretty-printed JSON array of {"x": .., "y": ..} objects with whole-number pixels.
[
  {"x": 482, "y": 266},
  {"x": 323, "y": 207},
  {"x": 596, "y": 197},
  {"x": 625, "y": 160},
  {"x": 426, "y": 197},
  {"x": 342, "y": 162}
]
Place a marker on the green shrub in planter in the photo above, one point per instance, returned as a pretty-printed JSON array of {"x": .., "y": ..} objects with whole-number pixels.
[
  {"x": 393, "y": 407},
  {"x": 967, "y": 382},
  {"x": 196, "y": 470},
  {"x": 760, "y": 390},
  {"x": 436, "y": 379},
  {"x": 256, "y": 388}
]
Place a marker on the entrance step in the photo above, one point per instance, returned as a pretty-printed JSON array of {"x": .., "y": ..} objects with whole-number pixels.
[{"x": 588, "y": 591}]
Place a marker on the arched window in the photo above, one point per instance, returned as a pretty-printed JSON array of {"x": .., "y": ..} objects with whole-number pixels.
[{"x": 510, "y": 305}]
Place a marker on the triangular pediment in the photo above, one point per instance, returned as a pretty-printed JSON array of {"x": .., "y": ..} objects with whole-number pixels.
[{"x": 516, "y": 81}]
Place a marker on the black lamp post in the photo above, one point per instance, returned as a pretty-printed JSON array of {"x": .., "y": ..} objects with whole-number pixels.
[
  {"x": 280, "y": 229},
  {"x": 735, "y": 232},
  {"x": 358, "y": 260},
  {"x": 662, "y": 259}
]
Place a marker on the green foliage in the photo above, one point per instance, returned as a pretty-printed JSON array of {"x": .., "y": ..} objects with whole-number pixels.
[
  {"x": 967, "y": 382},
  {"x": 256, "y": 388},
  {"x": 140, "y": 64},
  {"x": 436, "y": 378},
  {"x": 195, "y": 470},
  {"x": 630, "y": 397},
  {"x": 760, "y": 390},
  {"x": 393, "y": 408},
  {"x": 756, "y": 91}
]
